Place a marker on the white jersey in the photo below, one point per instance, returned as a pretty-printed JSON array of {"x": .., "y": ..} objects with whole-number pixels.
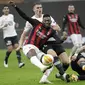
[
  {"x": 28, "y": 26},
  {"x": 9, "y": 29}
]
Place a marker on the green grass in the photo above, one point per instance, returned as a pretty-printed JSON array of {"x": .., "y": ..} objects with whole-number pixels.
[{"x": 28, "y": 75}]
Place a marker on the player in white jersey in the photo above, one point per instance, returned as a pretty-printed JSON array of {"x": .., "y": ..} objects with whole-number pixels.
[
  {"x": 7, "y": 24},
  {"x": 37, "y": 8}
]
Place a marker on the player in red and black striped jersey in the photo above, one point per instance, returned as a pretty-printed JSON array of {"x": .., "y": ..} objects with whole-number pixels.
[
  {"x": 39, "y": 35},
  {"x": 73, "y": 23}
]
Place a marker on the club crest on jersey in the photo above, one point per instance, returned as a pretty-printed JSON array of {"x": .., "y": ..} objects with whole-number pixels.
[
  {"x": 40, "y": 34},
  {"x": 74, "y": 19}
]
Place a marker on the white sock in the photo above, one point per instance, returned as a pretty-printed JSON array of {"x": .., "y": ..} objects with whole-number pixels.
[
  {"x": 34, "y": 60},
  {"x": 47, "y": 73}
]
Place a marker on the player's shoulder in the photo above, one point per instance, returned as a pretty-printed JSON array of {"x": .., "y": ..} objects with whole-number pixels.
[{"x": 11, "y": 15}]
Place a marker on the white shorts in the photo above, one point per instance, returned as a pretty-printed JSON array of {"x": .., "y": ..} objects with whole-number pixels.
[
  {"x": 28, "y": 47},
  {"x": 76, "y": 39}
]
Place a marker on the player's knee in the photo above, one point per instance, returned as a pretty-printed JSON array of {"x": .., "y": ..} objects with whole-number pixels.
[
  {"x": 31, "y": 53},
  {"x": 10, "y": 48},
  {"x": 65, "y": 61}
]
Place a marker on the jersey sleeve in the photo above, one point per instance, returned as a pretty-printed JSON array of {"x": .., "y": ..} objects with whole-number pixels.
[
  {"x": 56, "y": 37},
  {"x": 64, "y": 22},
  {"x": 27, "y": 18},
  {"x": 53, "y": 23},
  {"x": 28, "y": 26}
]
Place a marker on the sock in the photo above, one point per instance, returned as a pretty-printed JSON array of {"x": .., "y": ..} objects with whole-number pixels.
[
  {"x": 58, "y": 65},
  {"x": 73, "y": 50},
  {"x": 48, "y": 71},
  {"x": 82, "y": 64},
  {"x": 34, "y": 60},
  {"x": 7, "y": 56},
  {"x": 65, "y": 66},
  {"x": 81, "y": 77},
  {"x": 18, "y": 56},
  {"x": 46, "y": 74}
]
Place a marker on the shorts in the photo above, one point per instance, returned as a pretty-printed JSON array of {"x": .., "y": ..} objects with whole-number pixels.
[
  {"x": 11, "y": 40},
  {"x": 28, "y": 47},
  {"x": 58, "y": 48},
  {"x": 76, "y": 39}
]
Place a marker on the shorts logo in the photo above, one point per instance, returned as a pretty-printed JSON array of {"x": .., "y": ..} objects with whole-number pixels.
[{"x": 8, "y": 43}]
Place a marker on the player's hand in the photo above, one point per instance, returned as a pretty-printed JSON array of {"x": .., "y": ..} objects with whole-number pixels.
[
  {"x": 18, "y": 48},
  {"x": 73, "y": 58},
  {"x": 64, "y": 37},
  {"x": 12, "y": 3},
  {"x": 65, "y": 33}
]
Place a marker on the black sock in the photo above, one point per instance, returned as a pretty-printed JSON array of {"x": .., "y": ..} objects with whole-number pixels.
[
  {"x": 65, "y": 66},
  {"x": 81, "y": 64},
  {"x": 58, "y": 65},
  {"x": 18, "y": 56},
  {"x": 7, "y": 56},
  {"x": 81, "y": 77}
]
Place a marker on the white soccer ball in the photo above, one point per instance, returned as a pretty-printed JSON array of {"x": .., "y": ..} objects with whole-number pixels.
[{"x": 47, "y": 59}]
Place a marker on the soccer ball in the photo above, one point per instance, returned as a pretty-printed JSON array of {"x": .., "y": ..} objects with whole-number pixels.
[{"x": 47, "y": 59}]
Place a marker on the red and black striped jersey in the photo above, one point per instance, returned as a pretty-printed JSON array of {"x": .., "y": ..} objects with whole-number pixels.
[
  {"x": 73, "y": 23},
  {"x": 39, "y": 34}
]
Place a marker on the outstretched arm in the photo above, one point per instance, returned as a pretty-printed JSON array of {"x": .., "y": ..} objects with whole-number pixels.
[
  {"x": 59, "y": 40},
  {"x": 22, "y": 14}
]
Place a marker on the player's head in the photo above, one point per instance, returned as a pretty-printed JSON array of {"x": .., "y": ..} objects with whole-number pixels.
[
  {"x": 46, "y": 20},
  {"x": 71, "y": 8},
  {"x": 37, "y": 8},
  {"x": 5, "y": 10}
]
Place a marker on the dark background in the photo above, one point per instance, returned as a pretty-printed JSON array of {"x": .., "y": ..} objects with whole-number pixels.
[{"x": 55, "y": 9}]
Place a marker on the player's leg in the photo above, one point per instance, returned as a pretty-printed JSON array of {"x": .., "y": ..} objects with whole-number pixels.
[
  {"x": 78, "y": 68},
  {"x": 77, "y": 42},
  {"x": 65, "y": 60},
  {"x": 18, "y": 54},
  {"x": 31, "y": 52},
  {"x": 81, "y": 63},
  {"x": 48, "y": 49},
  {"x": 58, "y": 64},
  {"x": 62, "y": 56},
  {"x": 9, "y": 50},
  {"x": 44, "y": 78}
]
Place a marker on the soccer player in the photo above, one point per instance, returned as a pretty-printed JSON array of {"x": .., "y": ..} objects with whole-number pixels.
[
  {"x": 78, "y": 64},
  {"x": 7, "y": 24},
  {"x": 38, "y": 36},
  {"x": 73, "y": 23},
  {"x": 50, "y": 46}
]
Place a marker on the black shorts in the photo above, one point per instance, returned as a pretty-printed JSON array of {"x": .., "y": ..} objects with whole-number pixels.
[
  {"x": 76, "y": 67},
  {"x": 11, "y": 40},
  {"x": 58, "y": 48}
]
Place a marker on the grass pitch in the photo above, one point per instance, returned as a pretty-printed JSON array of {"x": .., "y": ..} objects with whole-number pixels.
[{"x": 28, "y": 75}]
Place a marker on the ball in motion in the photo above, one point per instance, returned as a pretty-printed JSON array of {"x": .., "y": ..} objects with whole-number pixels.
[{"x": 47, "y": 59}]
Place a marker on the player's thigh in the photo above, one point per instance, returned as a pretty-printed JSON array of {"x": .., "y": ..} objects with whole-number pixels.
[
  {"x": 27, "y": 48},
  {"x": 81, "y": 60},
  {"x": 64, "y": 58},
  {"x": 15, "y": 41},
  {"x": 52, "y": 52},
  {"x": 80, "y": 40},
  {"x": 75, "y": 39},
  {"x": 8, "y": 43},
  {"x": 49, "y": 50}
]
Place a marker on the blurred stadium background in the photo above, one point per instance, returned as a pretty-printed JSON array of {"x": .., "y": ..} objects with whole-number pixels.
[
  {"x": 56, "y": 8},
  {"x": 29, "y": 74}
]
